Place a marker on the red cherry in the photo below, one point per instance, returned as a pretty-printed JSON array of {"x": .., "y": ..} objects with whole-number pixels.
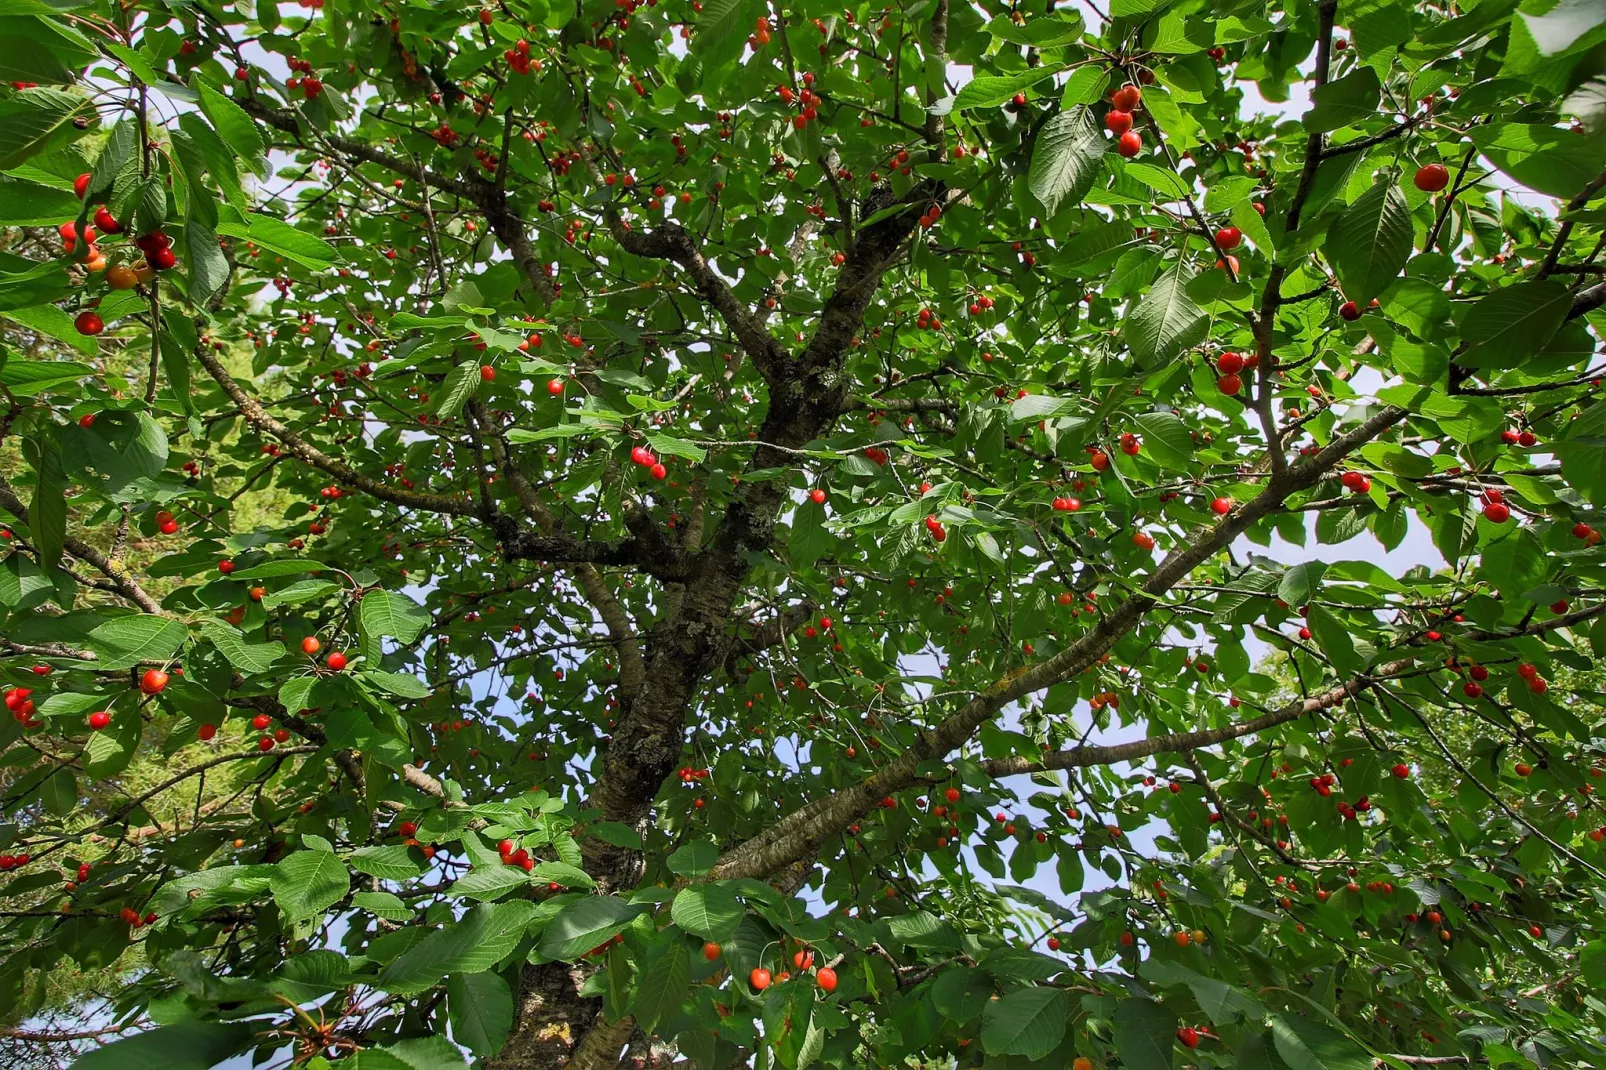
[
  {"x": 825, "y": 978},
  {"x": 1401, "y": 771},
  {"x": 1497, "y": 512},
  {"x": 711, "y": 951},
  {"x": 1126, "y": 98},
  {"x": 107, "y": 222},
  {"x": 1431, "y": 178},
  {"x": 1230, "y": 363},
  {"x": 1559, "y": 606},
  {"x": 1229, "y": 384},
  {"x": 1229, "y": 238},
  {"x": 1221, "y": 506},
  {"x": 225, "y": 567},
  {"x": 99, "y": 720},
  {"x": 658, "y": 471},
  {"x": 1118, "y": 122},
  {"x": 265, "y": 743},
  {"x": 153, "y": 681},
  {"x": 406, "y": 828},
  {"x": 337, "y": 661},
  {"x": 1349, "y": 310},
  {"x": 817, "y": 496},
  {"x": 80, "y": 185},
  {"x": 487, "y": 372},
  {"x": 310, "y": 645},
  {"x": 759, "y": 978},
  {"x": 1188, "y": 1036},
  {"x": 207, "y": 731},
  {"x": 89, "y": 323},
  {"x": 1130, "y": 145},
  {"x": 261, "y": 721},
  {"x": 555, "y": 387}
]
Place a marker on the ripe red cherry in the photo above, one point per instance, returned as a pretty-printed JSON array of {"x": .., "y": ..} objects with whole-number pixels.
[
  {"x": 1402, "y": 771},
  {"x": 337, "y": 661},
  {"x": 1497, "y": 512},
  {"x": 1221, "y": 506},
  {"x": 261, "y": 721},
  {"x": 1229, "y": 237},
  {"x": 1431, "y": 178},
  {"x": 1053, "y": 943},
  {"x": 310, "y": 645},
  {"x": 107, "y": 222},
  {"x": 153, "y": 681},
  {"x": 1188, "y": 1036},
  {"x": 555, "y": 387},
  {"x": 487, "y": 16},
  {"x": 487, "y": 372},
  {"x": 99, "y": 720},
  {"x": 89, "y": 323},
  {"x": 1229, "y": 384},
  {"x": 1130, "y": 145},
  {"x": 1524, "y": 769},
  {"x": 826, "y": 979},
  {"x": 1349, "y": 310},
  {"x": 711, "y": 951},
  {"x": 81, "y": 184},
  {"x": 225, "y": 567},
  {"x": 406, "y": 828},
  {"x": 952, "y": 795},
  {"x": 658, "y": 471},
  {"x": 1230, "y": 363},
  {"x": 759, "y": 978},
  {"x": 817, "y": 496},
  {"x": 1559, "y": 606},
  {"x": 1118, "y": 122},
  {"x": 1126, "y": 98},
  {"x": 207, "y": 731}
]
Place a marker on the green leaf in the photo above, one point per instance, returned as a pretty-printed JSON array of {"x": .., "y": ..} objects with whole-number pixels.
[
  {"x": 383, "y": 904},
  {"x": 1349, "y": 100},
  {"x": 233, "y": 125},
  {"x": 309, "y": 882},
  {"x": 711, "y": 911},
  {"x": 1028, "y": 1021},
  {"x": 480, "y": 1008},
  {"x": 1512, "y": 323},
  {"x": 245, "y": 656},
  {"x": 1145, "y": 1034},
  {"x": 1548, "y": 159},
  {"x": 28, "y": 378},
  {"x": 1066, "y": 158},
  {"x": 961, "y": 994},
  {"x": 402, "y": 685},
  {"x": 477, "y": 941},
  {"x": 38, "y": 120},
  {"x": 459, "y": 386},
  {"x": 1224, "y": 1003},
  {"x": 693, "y": 859},
  {"x": 585, "y": 924},
  {"x": 1371, "y": 241},
  {"x": 1047, "y": 31},
  {"x": 277, "y": 236},
  {"x": 30, "y": 204},
  {"x": 114, "y": 156},
  {"x": 1166, "y": 439},
  {"x": 718, "y": 21},
  {"x": 124, "y": 641},
  {"x": 47, "y": 510},
  {"x": 990, "y": 91},
  {"x": 1165, "y": 322},
  {"x": 1300, "y": 581},
  {"x": 60, "y": 792},
  {"x": 391, "y": 862},
  {"x": 189, "y": 1044},
  {"x": 489, "y": 882},
  {"x": 393, "y": 615},
  {"x": 1307, "y": 1045},
  {"x": 669, "y": 446},
  {"x": 664, "y": 984}
]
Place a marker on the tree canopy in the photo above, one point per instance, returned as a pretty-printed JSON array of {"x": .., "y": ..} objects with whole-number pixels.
[{"x": 744, "y": 534}]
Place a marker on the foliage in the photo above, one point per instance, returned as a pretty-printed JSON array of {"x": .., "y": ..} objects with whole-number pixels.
[{"x": 536, "y": 534}]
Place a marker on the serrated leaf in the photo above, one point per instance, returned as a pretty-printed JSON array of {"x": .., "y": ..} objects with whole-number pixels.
[
  {"x": 459, "y": 386},
  {"x": 584, "y": 925},
  {"x": 1166, "y": 439},
  {"x": 246, "y": 656},
  {"x": 711, "y": 911},
  {"x": 1512, "y": 323},
  {"x": 309, "y": 882},
  {"x": 1165, "y": 322},
  {"x": 386, "y": 613},
  {"x": 663, "y": 985},
  {"x": 990, "y": 91},
  {"x": 391, "y": 862},
  {"x": 1145, "y": 1033},
  {"x": 237, "y": 129},
  {"x": 693, "y": 859},
  {"x": 474, "y": 942},
  {"x": 1370, "y": 242},
  {"x": 1029, "y": 1021},
  {"x": 1066, "y": 159},
  {"x": 480, "y": 1008},
  {"x": 33, "y": 121}
]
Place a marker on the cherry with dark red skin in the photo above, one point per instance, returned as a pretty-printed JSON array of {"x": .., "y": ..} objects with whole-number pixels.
[
  {"x": 555, "y": 387},
  {"x": 336, "y": 662},
  {"x": 80, "y": 185},
  {"x": 1431, "y": 178},
  {"x": 1221, "y": 506},
  {"x": 89, "y": 323},
  {"x": 1229, "y": 238},
  {"x": 153, "y": 682},
  {"x": 1349, "y": 310},
  {"x": 225, "y": 567},
  {"x": 711, "y": 951},
  {"x": 1126, "y": 98},
  {"x": 1118, "y": 122},
  {"x": 107, "y": 222},
  {"x": 206, "y": 732},
  {"x": 1188, "y": 1036},
  {"x": 99, "y": 720},
  {"x": 1130, "y": 145},
  {"x": 817, "y": 496}
]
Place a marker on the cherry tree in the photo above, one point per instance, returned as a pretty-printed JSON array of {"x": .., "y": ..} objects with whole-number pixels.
[{"x": 729, "y": 534}]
